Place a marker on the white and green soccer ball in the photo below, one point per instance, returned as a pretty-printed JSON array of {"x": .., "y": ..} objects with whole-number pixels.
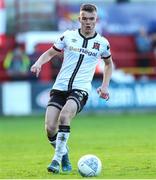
[{"x": 89, "y": 165}]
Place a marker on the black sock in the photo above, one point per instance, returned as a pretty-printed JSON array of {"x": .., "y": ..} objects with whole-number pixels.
[
  {"x": 52, "y": 140},
  {"x": 64, "y": 128}
]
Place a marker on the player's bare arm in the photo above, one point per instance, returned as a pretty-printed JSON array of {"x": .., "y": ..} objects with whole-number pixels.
[
  {"x": 44, "y": 58},
  {"x": 103, "y": 89}
]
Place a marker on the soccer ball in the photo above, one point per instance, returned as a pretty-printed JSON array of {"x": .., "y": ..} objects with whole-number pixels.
[{"x": 89, "y": 165}]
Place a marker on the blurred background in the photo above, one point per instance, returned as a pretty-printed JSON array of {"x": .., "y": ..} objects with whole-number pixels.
[{"x": 30, "y": 27}]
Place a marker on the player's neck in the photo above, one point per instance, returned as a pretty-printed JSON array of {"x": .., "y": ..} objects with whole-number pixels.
[{"x": 87, "y": 35}]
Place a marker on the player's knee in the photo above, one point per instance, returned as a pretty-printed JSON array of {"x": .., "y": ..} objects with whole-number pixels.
[
  {"x": 65, "y": 117},
  {"x": 50, "y": 128}
]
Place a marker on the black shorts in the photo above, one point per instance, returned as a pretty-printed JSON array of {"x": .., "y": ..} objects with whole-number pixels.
[{"x": 59, "y": 98}]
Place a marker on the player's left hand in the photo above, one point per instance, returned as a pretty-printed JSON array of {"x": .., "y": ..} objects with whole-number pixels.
[{"x": 103, "y": 92}]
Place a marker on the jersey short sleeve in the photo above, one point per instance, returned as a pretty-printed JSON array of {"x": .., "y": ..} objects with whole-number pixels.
[
  {"x": 106, "y": 49},
  {"x": 60, "y": 44}
]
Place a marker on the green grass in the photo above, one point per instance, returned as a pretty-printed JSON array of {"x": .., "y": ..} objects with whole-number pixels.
[{"x": 126, "y": 145}]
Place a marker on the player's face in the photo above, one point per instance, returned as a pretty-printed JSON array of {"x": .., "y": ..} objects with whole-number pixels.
[{"x": 88, "y": 21}]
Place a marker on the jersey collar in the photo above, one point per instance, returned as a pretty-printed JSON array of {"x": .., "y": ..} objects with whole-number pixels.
[{"x": 88, "y": 37}]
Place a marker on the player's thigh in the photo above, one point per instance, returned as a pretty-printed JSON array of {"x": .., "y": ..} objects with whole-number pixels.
[
  {"x": 55, "y": 104},
  {"x": 80, "y": 97},
  {"x": 51, "y": 118},
  {"x": 69, "y": 110}
]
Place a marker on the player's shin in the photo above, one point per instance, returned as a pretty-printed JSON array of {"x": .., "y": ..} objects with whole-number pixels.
[{"x": 61, "y": 142}]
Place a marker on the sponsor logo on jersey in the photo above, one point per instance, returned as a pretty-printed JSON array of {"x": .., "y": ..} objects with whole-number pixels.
[
  {"x": 83, "y": 51},
  {"x": 74, "y": 40}
]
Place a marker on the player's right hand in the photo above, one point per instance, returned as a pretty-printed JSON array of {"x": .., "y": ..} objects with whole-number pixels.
[{"x": 36, "y": 68}]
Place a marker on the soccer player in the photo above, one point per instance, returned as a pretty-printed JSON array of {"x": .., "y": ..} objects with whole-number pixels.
[{"x": 82, "y": 48}]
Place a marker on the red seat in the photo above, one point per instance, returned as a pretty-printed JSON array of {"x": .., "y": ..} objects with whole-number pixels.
[
  {"x": 46, "y": 73},
  {"x": 122, "y": 43},
  {"x": 124, "y": 59},
  {"x": 42, "y": 47},
  {"x": 123, "y": 48}
]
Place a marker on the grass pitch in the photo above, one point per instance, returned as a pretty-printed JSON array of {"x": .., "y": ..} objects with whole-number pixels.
[{"x": 126, "y": 145}]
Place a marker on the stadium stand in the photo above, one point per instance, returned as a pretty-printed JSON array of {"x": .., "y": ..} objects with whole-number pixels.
[
  {"x": 3, "y": 74},
  {"x": 3, "y": 51},
  {"x": 123, "y": 50},
  {"x": 125, "y": 56},
  {"x": 42, "y": 47}
]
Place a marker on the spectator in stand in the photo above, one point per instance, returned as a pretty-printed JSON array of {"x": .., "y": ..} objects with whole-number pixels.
[
  {"x": 152, "y": 32},
  {"x": 144, "y": 47},
  {"x": 17, "y": 64},
  {"x": 153, "y": 41}
]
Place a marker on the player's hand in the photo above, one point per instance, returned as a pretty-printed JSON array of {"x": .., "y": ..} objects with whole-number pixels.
[
  {"x": 36, "y": 68},
  {"x": 103, "y": 92}
]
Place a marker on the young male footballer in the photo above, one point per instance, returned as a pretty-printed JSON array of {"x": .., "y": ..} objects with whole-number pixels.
[{"x": 82, "y": 48}]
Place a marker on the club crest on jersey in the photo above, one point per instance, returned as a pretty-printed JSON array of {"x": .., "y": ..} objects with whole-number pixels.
[{"x": 96, "y": 46}]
